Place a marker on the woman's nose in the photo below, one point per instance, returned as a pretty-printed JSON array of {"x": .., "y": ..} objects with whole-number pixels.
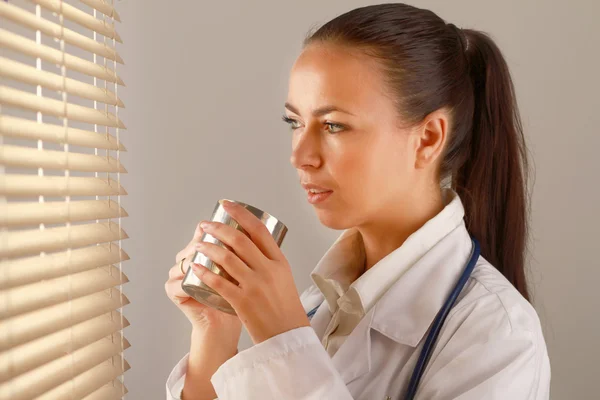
[{"x": 306, "y": 151}]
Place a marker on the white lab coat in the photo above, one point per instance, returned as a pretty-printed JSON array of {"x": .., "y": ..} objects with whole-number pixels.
[{"x": 491, "y": 345}]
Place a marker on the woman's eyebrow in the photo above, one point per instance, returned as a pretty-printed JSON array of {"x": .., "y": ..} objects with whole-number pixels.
[{"x": 319, "y": 111}]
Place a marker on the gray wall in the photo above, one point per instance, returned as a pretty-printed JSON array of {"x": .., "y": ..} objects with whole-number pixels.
[{"x": 206, "y": 83}]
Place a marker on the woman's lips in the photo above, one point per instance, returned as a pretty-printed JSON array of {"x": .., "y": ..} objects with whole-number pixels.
[{"x": 315, "y": 198}]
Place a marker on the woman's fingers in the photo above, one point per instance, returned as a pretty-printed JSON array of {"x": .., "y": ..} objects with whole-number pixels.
[
  {"x": 187, "y": 249},
  {"x": 173, "y": 286},
  {"x": 190, "y": 248},
  {"x": 198, "y": 231},
  {"x": 174, "y": 272},
  {"x": 228, "y": 260},
  {"x": 197, "y": 235},
  {"x": 224, "y": 287}
]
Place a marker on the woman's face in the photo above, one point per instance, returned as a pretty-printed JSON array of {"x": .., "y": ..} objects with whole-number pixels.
[{"x": 357, "y": 151}]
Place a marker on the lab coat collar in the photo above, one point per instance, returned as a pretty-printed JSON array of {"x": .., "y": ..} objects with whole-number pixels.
[
  {"x": 406, "y": 310},
  {"x": 342, "y": 264}
]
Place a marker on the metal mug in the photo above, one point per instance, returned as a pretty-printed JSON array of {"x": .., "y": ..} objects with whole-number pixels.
[{"x": 197, "y": 289}]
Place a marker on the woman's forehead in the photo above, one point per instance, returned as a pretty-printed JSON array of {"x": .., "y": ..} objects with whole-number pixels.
[{"x": 331, "y": 74}]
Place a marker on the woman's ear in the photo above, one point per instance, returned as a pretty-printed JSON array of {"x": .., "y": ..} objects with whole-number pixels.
[{"x": 431, "y": 139}]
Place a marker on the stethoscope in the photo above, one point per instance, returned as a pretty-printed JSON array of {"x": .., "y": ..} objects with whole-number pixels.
[{"x": 437, "y": 322}]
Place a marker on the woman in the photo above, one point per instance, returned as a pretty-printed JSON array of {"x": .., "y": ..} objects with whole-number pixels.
[{"x": 410, "y": 127}]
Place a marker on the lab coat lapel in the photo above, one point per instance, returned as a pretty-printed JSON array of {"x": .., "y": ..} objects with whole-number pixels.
[
  {"x": 353, "y": 359},
  {"x": 321, "y": 319}
]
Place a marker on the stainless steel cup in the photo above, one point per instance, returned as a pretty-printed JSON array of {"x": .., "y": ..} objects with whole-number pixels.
[{"x": 197, "y": 289}]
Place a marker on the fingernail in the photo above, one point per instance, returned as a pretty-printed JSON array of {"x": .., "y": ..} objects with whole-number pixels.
[{"x": 198, "y": 268}]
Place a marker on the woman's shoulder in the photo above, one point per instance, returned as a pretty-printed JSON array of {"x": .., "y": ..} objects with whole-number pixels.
[
  {"x": 496, "y": 332},
  {"x": 489, "y": 292}
]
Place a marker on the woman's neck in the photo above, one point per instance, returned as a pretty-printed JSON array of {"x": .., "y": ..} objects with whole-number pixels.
[{"x": 381, "y": 237}]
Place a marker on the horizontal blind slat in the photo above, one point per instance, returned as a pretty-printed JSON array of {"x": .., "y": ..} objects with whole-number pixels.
[
  {"x": 29, "y": 47},
  {"x": 89, "y": 381},
  {"x": 82, "y": 18},
  {"x": 27, "y": 74},
  {"x": 23, "y": 299},
  {"x": 30, "y": 157},
  {"x": 19, "y": 214},
  {"x": 26, "y": 327},
  {"x": 114, "y": 390},
  {"x": 23, "y": 185},
  {"x": 31, "y": 241},
  {"x": 28, "y": 356},
  {"x": 23, "y": 271},
  {"x": 41, "y": 380},
  {"x": 103, "y": 7},
  {"x": 29, "y": 101},
  {"x": 26, "y": 129},
  {"x": 30, "y": 21}
]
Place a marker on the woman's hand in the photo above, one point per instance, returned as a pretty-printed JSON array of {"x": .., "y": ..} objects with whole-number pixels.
[
  {"x": 266, "y": 299},
  {"x": 202, "y": 317}
]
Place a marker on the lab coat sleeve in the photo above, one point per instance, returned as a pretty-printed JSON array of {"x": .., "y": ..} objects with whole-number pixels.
[
  {"x": 292, "y": 365},
  {"x": 276, "y": 348},
  {"x": 176, "y": 379}
]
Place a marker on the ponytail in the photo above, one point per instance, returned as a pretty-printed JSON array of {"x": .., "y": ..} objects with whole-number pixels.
[{"x": 492, "y": 180}]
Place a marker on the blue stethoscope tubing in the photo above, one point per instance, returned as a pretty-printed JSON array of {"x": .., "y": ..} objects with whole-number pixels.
[{"x": 437, "y": 322}]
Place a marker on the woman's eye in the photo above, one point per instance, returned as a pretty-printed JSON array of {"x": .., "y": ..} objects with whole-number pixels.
[
  {"x": 290, "y": 122},
  {"x": 332, "y": 128}
]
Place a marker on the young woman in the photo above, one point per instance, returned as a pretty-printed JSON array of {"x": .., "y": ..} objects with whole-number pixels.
[{"x": 409, "y": 128}]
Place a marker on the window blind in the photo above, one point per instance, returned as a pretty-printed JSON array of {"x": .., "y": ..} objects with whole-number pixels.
[{"x": 61, "y": 256}]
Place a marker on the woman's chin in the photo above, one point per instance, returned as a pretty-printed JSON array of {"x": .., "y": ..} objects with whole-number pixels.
[{"x": 332, "y": 220}]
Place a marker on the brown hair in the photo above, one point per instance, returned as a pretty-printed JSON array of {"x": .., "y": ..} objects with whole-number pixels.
[{"x": 429, "y": 64}]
